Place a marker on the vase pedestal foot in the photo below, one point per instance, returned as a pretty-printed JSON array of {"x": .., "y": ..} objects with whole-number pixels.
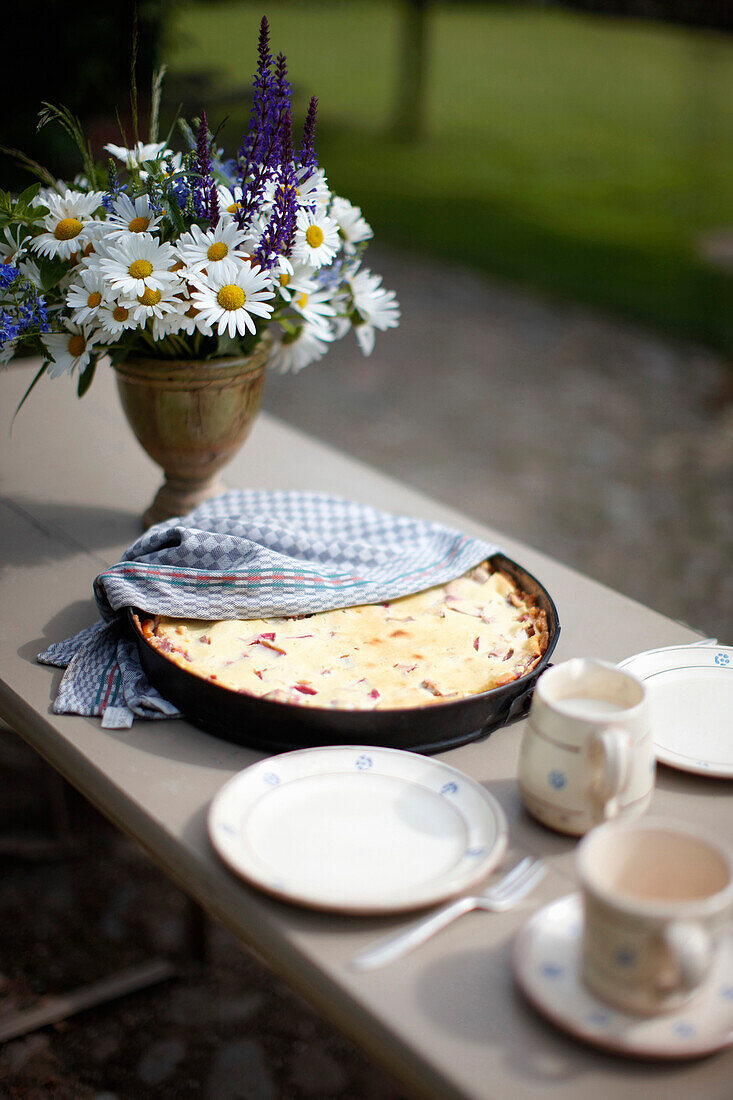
[{"x": 178, "y": 495}]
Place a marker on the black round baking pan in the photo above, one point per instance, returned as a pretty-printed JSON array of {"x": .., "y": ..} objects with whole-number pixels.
[{"x": 274, "y": 727}]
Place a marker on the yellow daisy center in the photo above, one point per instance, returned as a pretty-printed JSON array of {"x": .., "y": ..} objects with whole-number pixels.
[
  {"x": 67, "y": 229},
  {"x": 235, "y": 206},
  {"x": 76, "y": 345},
  {"x": 94, "y": 299},
  {"x": 150, "y": 297},
  {"x": 303, "y": 301},
  {"x": 120, "y": 313},
  {"x": 231, "y": 297},
  {"x": 314, "y": 236},
  {"x": 138, "y": 225},
  {"x": 217, "y": 251},
  {"x": 140, "y": 269},
  {"x": 284, "y": 279}
]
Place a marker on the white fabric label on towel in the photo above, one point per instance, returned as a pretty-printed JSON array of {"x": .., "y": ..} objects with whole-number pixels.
[{"x": 117, "y": 718}]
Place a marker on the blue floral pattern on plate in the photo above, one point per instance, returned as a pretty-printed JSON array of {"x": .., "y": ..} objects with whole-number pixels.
[{"x": 364, "y": 762}]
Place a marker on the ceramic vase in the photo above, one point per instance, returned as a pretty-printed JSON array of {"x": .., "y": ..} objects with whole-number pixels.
[{"x": 191, "y": 417}]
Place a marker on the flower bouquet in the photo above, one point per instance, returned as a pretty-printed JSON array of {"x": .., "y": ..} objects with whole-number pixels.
[{"x": 187, "y": 257}]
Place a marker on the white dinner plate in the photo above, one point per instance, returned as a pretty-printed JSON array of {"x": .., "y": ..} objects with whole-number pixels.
[
  {"x": 547, "y": 966},
  {"x": 357, "y": 829},
  {"x": 691, "y": 693}
]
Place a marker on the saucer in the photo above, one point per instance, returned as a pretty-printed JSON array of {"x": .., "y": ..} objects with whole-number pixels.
[
  {"x": 547, "y": 969},
  {"x": 691, "y": 693},
  {"x": 357, "y": 829}
]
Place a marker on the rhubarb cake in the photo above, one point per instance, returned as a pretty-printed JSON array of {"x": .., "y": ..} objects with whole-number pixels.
[{"x": 468, "y": 636}]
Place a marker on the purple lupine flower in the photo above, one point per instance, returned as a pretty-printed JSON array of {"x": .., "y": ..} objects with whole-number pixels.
[
  {"x": 283, "y": 104},
  {"x": 307, "y": 155},
  {"x": 279, "y": 233},
  {"x": 206, "y": 199},
  {"x": 261, "y": 118},
  {"x": 261, "y": 155}
]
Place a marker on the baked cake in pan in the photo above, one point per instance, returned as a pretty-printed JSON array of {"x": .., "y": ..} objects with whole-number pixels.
[{"x": 473, "y": 634}]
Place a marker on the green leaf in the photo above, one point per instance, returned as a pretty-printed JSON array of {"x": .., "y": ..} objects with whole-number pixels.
[
  {"x": 41, "y": 372},
  {"x": 86, "y": 377},
  {"x": 26, "y": 197},
  {"x": 52, "y": 271}
]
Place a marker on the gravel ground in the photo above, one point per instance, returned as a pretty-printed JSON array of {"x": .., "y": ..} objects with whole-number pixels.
[{"x": 603, "y": 445}]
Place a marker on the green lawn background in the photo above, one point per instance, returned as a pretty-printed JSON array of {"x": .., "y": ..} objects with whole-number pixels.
[{"x": 584, "y": 156}]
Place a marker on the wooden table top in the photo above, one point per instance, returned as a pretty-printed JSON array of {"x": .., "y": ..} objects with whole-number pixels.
[{"x": 447, "y": 1020}]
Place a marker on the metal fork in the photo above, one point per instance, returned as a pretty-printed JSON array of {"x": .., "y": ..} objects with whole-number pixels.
[{"x": 502, "y": 895}]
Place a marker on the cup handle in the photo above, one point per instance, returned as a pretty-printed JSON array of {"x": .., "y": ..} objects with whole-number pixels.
[
  {"x": 689, "y": 947},
  {"x": 609, "y": 760}
]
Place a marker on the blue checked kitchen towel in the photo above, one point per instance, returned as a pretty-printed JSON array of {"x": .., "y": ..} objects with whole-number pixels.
[{"x": 247, "y": 554}]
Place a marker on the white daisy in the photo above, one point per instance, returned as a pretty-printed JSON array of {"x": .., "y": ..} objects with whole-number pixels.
[
  {"x": 137, "y": 262},
  {"x": 217, "y": 251},
  {"x": 230, "y": 201},
  {"x": 114, "y": 318},
  {"x": 133, "y": 217},
  {"x": 87, "y": 293},
  {"x": 136, "y": 157},
  {"x": 378, "y": 308},
  {"x": 13, "y": 245},
  {"x": 314, "y": 305},
  {"x": 173, "y": 322},
  {"x": 67, "y": 223},
  {"x": 316, "y": 238},
  {"x": 70, "y": 350},
  {"x": 32, "y": 272},
  {"x": 353, "y": 228},
  {"x": 293, "y": 279},
  {"x": 230, "y": 302},
  {"x": 312, "y": 189},
  {"x": 293, "y": 351},
  {"x": 153, "y": 304}
]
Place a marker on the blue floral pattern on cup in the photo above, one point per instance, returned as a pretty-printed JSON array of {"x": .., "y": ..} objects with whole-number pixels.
[
  {"x": 557, "y": 779},
  {"x": 625, "y": 956},
  {"x": 449, "y": 788},
  {"x": 551, "y": 970},
  {"x": 722, "y": 658},
  {"x": 364, "y": 762}
]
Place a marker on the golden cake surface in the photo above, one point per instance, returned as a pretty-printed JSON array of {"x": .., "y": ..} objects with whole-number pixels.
[{"x": 458, "y": 639}]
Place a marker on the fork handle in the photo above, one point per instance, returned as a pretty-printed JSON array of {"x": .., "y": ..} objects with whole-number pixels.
[{"x": 394, "y": 947}]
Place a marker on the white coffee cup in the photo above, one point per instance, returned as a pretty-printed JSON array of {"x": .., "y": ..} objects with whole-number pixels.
[
  {"x": 587, "y": 752},
  {"x": 657, "y": 897}
]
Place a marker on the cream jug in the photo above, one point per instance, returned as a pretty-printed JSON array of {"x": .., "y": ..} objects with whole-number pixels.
[{"x": 587, "y": 752}]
